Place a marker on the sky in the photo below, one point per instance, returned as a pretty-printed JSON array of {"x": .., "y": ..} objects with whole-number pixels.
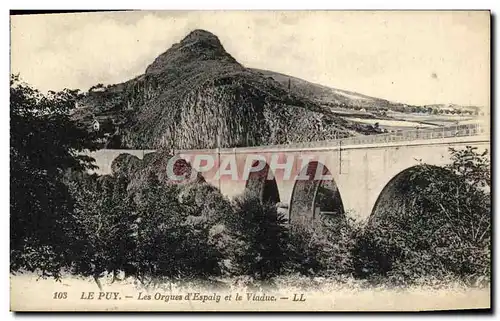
[{"x": 410, "y": 57}]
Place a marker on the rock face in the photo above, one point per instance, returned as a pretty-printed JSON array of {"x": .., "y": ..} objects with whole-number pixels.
[{"x": 196, "y": 95}]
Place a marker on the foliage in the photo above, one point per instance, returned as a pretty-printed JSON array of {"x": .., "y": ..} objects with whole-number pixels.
[
  {"x": 147, "y": 233},
  {"x": 203, "y": 199},
  {"x": 445, "y": 229},
  {"x": 103, "y": 237},
  {"x": 125, "y": 164},
  {"x": 208, "y": 209},
  {"x": 323, "y": 247},
  {"x": 44, "y": 143},
  {"x": 259, "y": 238},
  {"x": 471, "y": 166},
  {"x": 168, "y": 244}
]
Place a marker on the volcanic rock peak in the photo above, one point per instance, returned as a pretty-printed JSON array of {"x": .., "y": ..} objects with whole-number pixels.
[
  {"x": 202, "y": 36},
  {"x": 198, "y": 45}
]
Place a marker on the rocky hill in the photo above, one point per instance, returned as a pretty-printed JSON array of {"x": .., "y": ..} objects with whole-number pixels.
[{"x": 196, "y": 95}]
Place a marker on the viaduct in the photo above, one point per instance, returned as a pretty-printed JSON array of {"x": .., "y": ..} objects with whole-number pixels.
[{"x": 355, "y": 171}]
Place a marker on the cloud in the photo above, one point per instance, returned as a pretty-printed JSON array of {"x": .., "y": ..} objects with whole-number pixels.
[{"x": 388, "y": 55}]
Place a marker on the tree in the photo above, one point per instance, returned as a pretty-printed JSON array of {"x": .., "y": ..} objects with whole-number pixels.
[
  {"x": 201, "y": 199},
  {"x": 103, "y": 237},
  {"x": 442, "y": 227},
  {"x": 44, "y": 143},
  {"x": 171, "y": 241},
  {"x": 259, "y": 234},
  {"x": 322, "y": 247}
]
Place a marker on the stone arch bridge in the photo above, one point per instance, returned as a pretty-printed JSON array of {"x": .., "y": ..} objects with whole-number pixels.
[{"x": 347, "y": 175}]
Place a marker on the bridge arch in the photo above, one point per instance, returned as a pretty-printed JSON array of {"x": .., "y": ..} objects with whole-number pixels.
[
  {"x": 399, "y": 193},
  {"x": 263, "y": 184},
  {"x": 313, "y": 197}
]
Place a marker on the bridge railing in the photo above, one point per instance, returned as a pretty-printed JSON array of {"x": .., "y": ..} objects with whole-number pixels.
[
  {"x": 419, "y": 134},
  {"x": 401, "y": 136}
]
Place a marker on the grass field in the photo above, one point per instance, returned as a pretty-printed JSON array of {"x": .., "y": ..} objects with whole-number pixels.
[
  {"x": 440, "y": 119},
  {"x": 404, "y": 121},
  {"x": 384, "y": 123},
  {"x": 320, "y": 294}
]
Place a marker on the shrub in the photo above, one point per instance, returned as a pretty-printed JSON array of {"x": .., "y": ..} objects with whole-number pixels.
[
  {"x": 156, "y": 164},
  {"x": 322, "y": 247},
  {"x": 102, "y": 238},
  {"x": 443, "y": 228},
  {"x": 258, "y": 235},
  {"x": 169, "y": 244},
  {"x": 204, "y": 200},
  {"x": 207, "y": 209},
  {"x": 125, "y": 164}
]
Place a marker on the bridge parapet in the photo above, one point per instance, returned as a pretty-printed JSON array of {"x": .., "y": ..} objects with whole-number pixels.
[
  {"x": 465, "y": 130},
  {"x": 419, "y": 134}
]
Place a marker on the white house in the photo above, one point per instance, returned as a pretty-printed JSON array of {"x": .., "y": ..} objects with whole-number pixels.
[{"x": 96, "y": 125}]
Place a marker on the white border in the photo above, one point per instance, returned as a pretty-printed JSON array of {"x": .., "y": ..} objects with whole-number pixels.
[{"x": 191, "y": 5}]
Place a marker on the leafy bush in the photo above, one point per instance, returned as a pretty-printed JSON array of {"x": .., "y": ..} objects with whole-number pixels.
[
  {"x": 169, "y": 244},
  {"x": 156, "y": 164},
  {"x": 103, "y": 236},
  {"x": 203, "y": 199},
  {"x": 125, "y": 164},
  {"x": 323, "y": 247},
  {"x": 258, "y": 237},
  {"x": 44, "y": 142},
  {"x": 442, "y": 228}
]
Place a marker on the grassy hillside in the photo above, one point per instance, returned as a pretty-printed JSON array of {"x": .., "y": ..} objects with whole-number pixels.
[{"x": 327, "y": 95}]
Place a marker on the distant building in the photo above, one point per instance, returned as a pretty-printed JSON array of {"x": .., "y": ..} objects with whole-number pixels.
[{"x": 96, "y": 126}]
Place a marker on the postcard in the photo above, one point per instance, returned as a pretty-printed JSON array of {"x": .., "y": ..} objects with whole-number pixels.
[{"x": 250, "y": 161}]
